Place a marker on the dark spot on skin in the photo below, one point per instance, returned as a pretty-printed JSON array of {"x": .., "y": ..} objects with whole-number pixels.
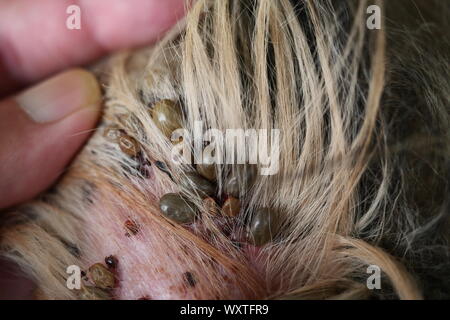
[
  {"x": 132, "y": 227},
  {"x": 179, "y": 38},
  {"x": 145, "y": 171},
  {"x": 143, "y": 165},
  {"x": 29, "y": 213},
  {"x": 74, "y": 251},
  {"x": 87, "y": 191},
  {"x": 225, "y": 224},
  {"x": 237, "y": 245},
  {"x": 151, "y": 104},
  {"x": 84, "y": 275},
  {"x": 140, "y": 157},
  {"x": 145, "y": 298},
  {"x": 53, "y": 191},
  {"x": 103, "y": 88},
  {"x": 111, "y": 262},
  {"x": 13, "y": 218},
  {"x": 50, "y": 195},
  {"x": 128, "y": 170},
  {"x": 162, "y": 166},
  {"x": 71, "y": 247},
  {"x": 141, "y": 95},
  {"x": 101, "y": 123},
  {"x": 189, "y": 279}
]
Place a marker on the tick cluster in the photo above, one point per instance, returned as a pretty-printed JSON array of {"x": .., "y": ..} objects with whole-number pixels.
[{"x": 167, "y": 116}]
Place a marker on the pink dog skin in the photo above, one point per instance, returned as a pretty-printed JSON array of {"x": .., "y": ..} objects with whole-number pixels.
[{"x": 150, "y": 263}]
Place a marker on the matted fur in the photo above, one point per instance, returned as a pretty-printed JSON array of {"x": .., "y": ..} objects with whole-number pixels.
[{"x": 364, "y": 157}]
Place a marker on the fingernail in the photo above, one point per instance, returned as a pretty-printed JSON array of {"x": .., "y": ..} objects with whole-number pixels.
[{"x": 60, "y": 96}]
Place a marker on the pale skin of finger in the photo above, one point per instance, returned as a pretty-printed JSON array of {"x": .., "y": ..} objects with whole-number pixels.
[
  {"x": 35, "y": 42},
  {"x": 32, "y": 155}
]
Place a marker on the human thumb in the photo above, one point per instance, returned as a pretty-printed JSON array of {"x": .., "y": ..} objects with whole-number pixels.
[{"x": 41, "y": 129}]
